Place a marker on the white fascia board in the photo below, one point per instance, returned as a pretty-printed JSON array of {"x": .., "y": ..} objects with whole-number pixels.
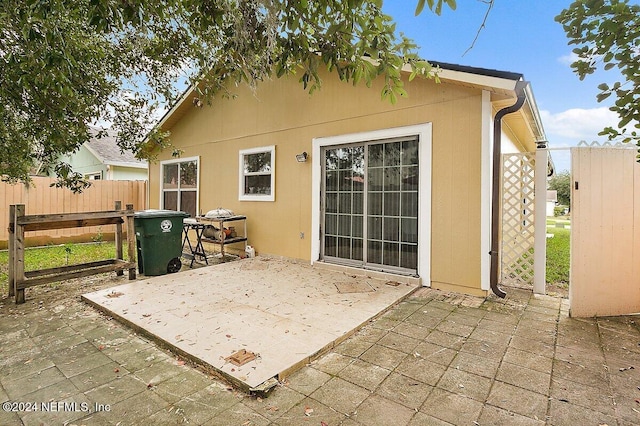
[
  {"x": 472, "y": 78},
  {"x": 175, "y": 106},
  {"x": 477, "y": 79},
  {"x": 534, "y": 110}
]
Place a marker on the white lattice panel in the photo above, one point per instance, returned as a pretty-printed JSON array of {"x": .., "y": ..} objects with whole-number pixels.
[{"x": 518, "y": 219}]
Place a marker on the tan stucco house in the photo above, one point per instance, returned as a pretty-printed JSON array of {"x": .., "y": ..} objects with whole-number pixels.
[{"x": 344, "y": 177}]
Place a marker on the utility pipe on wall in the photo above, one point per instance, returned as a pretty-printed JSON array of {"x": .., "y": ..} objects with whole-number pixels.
[{"x": 495, "y": 186}]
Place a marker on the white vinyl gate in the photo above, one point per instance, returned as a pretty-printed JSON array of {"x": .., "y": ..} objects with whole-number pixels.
[{"x": 605, "y": 232}]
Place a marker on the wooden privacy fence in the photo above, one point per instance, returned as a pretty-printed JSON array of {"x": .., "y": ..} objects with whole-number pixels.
[
  {"x": 605, "y": 232},
  {"x": 40, "y": 198},
  {"x": 19, "y": 223}
]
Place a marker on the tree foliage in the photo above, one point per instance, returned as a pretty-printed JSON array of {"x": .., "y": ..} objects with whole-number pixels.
[
  {"x": 66, "y": 65},
  {"x": 561, "y": 182},
  {"x": 607, "y": 36}
]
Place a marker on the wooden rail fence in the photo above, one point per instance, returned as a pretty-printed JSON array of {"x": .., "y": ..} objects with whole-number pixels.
[{"x": 19, "y": 223}]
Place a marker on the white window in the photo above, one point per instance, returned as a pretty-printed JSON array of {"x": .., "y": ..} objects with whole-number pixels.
[
  {"x": 93, "y": 176},
  {"x": 257, "y": 174},
  {"x": 179, "y": 190}
]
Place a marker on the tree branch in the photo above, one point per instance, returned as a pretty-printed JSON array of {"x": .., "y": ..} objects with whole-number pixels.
[{"x": 484, "y": 21}]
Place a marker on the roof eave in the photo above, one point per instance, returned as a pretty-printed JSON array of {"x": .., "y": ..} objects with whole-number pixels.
[{"x": 126, "y": 164}]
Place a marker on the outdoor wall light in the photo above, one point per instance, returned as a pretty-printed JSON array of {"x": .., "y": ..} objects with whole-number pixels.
[{"x": 302, "y": 158}]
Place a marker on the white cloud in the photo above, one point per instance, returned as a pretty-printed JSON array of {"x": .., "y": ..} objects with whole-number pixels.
[
  {"x": 578, "y": 123},
  {"x": 568, "y": 59}
]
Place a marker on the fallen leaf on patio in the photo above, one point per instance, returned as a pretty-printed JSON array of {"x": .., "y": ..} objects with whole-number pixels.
[
  {"x": 308, "y": 411},
  {"x": 178, "y": 336},
  {"x": 101, "y": 347},
  {"x": 638, "y": 401},
  {"x": 228, "y": 336},
  {"x": 626, "y": 368},
  {"x": 115, "y": 294},
  {"x": 180, "y": 362},
  {"x": 272, "y": 408},
  {"x": 323, "y": 424},
  {"x": 116, "y": 370},
  {"x": 150, "y": 385},
  {"x": 28, "y": 361},
  {"x": 146, "y": 315}
]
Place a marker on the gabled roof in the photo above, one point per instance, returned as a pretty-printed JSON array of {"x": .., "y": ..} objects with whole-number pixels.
[
  {"x": 107, "y": 151},
  {"x": 501, "y": 85}
]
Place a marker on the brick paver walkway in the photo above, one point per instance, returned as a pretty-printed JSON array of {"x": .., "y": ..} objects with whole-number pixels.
[{"x": 435, "y": 359}]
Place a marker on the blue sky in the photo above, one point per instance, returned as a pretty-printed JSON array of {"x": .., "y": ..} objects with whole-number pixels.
[{"x": 519, "y": 36}]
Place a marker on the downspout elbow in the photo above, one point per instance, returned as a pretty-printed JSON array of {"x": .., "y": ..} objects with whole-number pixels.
[{"x": 495, "y": 196}]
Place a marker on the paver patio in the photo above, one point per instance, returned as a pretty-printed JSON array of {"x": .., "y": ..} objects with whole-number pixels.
[{"x": 434, "y": 359}]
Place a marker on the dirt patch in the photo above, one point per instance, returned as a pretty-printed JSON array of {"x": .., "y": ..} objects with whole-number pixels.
[
  {"x": 558, "y": 290},
  {"x": 66, "y": 293}
]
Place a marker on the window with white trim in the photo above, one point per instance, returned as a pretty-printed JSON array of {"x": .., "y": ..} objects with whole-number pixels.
[
  {"x": 179, "y": 190},
  {"x": 257, "y": 174},
  {"x": 93, "y": 176}
]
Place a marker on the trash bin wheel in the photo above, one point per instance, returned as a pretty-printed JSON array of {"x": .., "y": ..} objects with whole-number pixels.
[{"x": 174, "y": 265}]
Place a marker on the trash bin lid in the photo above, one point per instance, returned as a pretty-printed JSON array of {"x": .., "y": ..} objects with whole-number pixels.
[{"x": 159, "y": 213}]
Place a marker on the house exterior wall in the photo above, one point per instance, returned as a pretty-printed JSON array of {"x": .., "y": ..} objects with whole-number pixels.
[
  {"x": 85, "y": 162},
  {"x": 126, "y": 173},
  {"x": 281, "y": 113}
]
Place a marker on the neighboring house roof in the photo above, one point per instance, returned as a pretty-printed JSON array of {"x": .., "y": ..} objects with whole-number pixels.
[{"x": 107, "y": 151}]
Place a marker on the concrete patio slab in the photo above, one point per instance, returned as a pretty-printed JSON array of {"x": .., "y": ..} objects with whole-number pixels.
[{"x": 286, "y": 313}]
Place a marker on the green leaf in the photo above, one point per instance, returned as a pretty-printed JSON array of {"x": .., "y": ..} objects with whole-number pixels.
[{"x": 419, "y": 7}]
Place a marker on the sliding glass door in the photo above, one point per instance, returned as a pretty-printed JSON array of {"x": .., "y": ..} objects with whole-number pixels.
[{"x": 370, "y": 205}]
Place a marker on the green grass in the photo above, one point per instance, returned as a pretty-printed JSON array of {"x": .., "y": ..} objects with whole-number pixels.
[
  {"x": 558, "y": 256},
  {"x": 57, "y": 255}
]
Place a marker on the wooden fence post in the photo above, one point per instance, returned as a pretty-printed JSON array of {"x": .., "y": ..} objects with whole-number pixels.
[
  {"x": 12, "y": 234},
  {"x": 131, "y": 241},
  {"x": 118, "y": 206},
  {"x": 18, "y": 254}
]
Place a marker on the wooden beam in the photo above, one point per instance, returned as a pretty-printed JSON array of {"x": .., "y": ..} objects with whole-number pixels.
[
  {"x": 131, "y": 242},
  {"x": 55, "y": 217},
  {"x": 12, "y": 236},
  {"x": 118, "y": 237},
  {"x": 68, "y": 268},
  {"x": 21, "y": 285},
  {"x": 18, "y": 249},
  {"x": 72, "y": 223}
]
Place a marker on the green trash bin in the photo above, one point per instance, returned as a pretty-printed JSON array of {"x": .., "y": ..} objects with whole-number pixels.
[{"x": 159, "y": 241}]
